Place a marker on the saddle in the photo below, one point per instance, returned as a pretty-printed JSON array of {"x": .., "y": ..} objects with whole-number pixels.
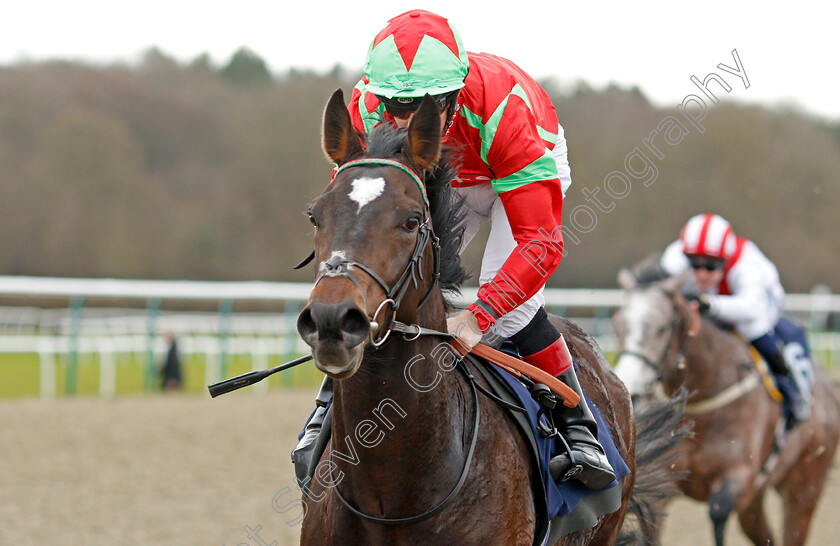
[
  {"x": 561, "y": 508},
  {"x": 763, "y": 370}
]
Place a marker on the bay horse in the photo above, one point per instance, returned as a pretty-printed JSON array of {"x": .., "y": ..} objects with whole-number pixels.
[
  {"x": 415, "y": 455},
  {"x": 732, "y": 456}
]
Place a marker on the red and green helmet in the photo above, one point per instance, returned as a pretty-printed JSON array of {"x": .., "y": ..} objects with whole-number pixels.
[{"x": 418, "y": 53}]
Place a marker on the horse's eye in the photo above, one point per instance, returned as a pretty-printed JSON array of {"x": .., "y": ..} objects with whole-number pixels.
[
  {"x": 411, "y": 224},
  {"x": 312, "y": 219}
]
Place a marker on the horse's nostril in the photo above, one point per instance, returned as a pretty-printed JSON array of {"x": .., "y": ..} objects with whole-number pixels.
[
  {"x": 355, "y": 326},
  {"x": 330, "y": 323},
  {"x": 306, "y": 326}
]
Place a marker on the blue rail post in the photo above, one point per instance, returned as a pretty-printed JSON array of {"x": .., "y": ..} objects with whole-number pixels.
[
  {"x": 152, "y": 314},
  {"x": 602, "y": 321},
  {"x": 77, "y": 304}
]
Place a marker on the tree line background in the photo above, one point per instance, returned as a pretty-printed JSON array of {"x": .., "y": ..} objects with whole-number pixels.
[{"x": 164, "y": 170}]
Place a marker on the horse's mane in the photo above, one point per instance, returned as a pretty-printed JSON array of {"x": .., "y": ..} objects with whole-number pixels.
[
  {"x": 710, "y": 325},
  {"x": 447, "y": 211},
  {"x": 648, "y": 270}
]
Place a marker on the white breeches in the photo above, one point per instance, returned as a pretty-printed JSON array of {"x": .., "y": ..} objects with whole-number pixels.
[{"x": 483, "y": 203}]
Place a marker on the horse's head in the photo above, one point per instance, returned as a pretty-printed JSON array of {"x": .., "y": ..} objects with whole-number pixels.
[
  {"x": 651, "y": 327},
  {"x": 376, "y": 255}
]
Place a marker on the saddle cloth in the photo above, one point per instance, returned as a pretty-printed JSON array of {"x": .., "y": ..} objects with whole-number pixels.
[{"x": 568, "y": 506}]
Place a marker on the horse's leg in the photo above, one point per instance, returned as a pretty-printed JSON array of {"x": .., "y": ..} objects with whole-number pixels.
[
  {"x": 801, "y": 487},
  {"x": 727, "y": 494},
  {"x": 800, "y": 491},
  {"x": 754, "y": 521},
  {"x": 721, "y": 503}
]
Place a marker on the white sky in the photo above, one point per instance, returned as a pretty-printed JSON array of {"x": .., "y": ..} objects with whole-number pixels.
[{"x": 789, "y": 52}]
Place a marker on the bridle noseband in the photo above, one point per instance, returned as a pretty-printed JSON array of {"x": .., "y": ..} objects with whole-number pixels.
[{"x": 339, "y": 265}]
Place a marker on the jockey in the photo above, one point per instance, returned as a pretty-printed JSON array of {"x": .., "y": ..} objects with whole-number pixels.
[
  {"x": 513, "y": 173},
  {"x": 735, "y": 284}
]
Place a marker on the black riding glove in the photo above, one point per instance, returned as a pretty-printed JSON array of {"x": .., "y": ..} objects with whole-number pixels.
[{"x": 703, "y": 303}]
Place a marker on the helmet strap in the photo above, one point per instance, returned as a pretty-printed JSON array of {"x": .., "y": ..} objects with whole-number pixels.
[{"x": 452, "y": 109}]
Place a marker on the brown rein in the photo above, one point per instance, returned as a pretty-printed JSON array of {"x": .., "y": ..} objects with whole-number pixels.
[
  {"x": 510, "y": 363},
  {"x": 519, "y": 367}
]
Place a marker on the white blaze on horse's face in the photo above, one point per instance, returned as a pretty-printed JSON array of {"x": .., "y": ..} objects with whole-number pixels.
[
  {"x": 631, "y": 368},
  {"x": 366, "y": 190},
  {"x": 341, "y": 255}
]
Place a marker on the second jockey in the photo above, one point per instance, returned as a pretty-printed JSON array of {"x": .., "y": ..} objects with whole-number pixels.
[{"x": 737, "y": 285}]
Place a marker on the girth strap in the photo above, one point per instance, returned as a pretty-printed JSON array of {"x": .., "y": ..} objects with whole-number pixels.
[{"x": 724, "y": 397}]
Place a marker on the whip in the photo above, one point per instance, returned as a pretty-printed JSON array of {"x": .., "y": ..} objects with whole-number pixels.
[{"x": 250, "y": 378}]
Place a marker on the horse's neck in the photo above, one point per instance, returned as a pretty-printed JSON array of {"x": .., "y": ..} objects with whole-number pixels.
[
  {"x": 711, "y": 361},
  {"x": 405, "y": 403}
]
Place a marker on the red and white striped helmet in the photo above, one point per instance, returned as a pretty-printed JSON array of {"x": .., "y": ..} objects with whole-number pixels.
[{"x": 708, "y": 235}]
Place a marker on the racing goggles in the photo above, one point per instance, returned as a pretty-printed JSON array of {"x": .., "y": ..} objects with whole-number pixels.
[
  {"x": 403, "y": 107},
  {"x": 704, "y": 262}
]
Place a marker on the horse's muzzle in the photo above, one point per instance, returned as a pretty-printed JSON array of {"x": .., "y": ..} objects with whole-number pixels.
[
  {"x": 636, "y": 375},
  {"x": 336, "y": 332}
]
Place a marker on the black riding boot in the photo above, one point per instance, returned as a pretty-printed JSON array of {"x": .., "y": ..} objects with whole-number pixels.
[
  {"x": 541, "y": 345},
  {"x": 302, "y": 454},
  {"x": 789, "y": 387},
  {"x": 585, "y": 461}
]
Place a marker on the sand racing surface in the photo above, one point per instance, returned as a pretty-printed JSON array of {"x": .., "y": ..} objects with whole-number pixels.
[{"x": 188, "y": 469}]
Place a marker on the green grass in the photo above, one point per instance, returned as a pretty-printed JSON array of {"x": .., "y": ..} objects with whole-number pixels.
[{"x": 20, "y": 374}]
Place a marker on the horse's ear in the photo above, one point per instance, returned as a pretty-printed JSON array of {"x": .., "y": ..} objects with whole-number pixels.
[
  {"x": 339, "y": 139},
  {"x": 673, "y": 285},
  {"x": 424, "y": 138},
  {"x": 626, "y": 279}
]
